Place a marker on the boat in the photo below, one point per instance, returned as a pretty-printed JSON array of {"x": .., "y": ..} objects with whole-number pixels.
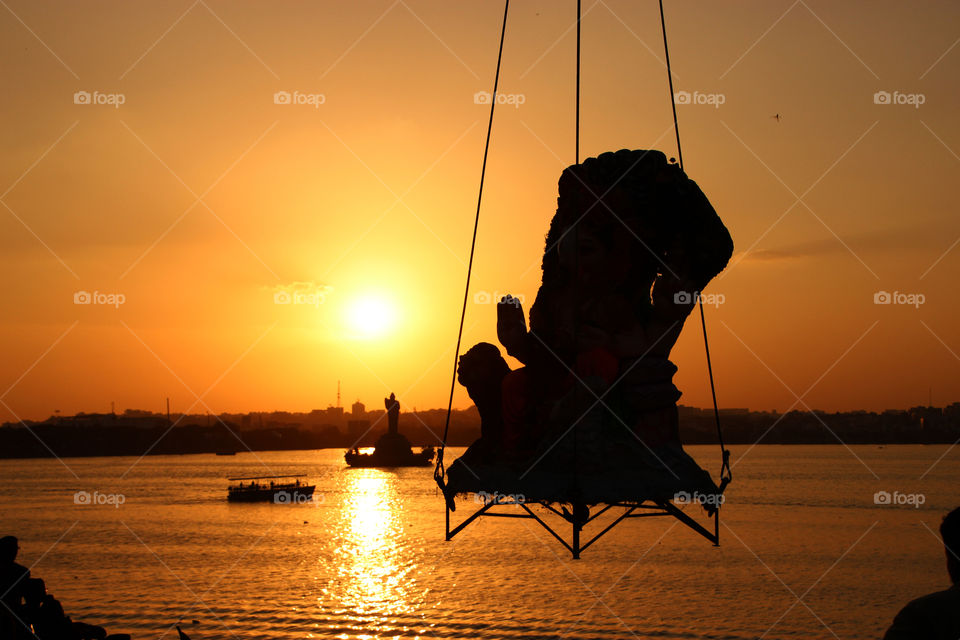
[
  {"x": 276, "y": 489},
  {"x": 226, "y": 453},
  {"x": 390, "y": 454}
]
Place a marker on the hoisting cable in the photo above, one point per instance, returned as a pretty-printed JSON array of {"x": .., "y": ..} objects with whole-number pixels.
[
  {"x": 726, "y": 475},
  {"x": 576, "y": 512},
  {"x": 576, "y": 154},
  {"x": 438, "y": 472}
]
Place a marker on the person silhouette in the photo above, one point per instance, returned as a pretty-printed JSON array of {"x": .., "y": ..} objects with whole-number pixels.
[
  {"x": 49, "y": 622},
  {"x": 935, "y": 616},
  {"x": 13, "y": 583}
]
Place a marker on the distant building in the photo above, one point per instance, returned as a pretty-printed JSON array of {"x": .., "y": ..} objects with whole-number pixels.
[
  {"x": 101, "y": 420},
  {"x": 684, "y": 411},
  {"x": 734, "y": 411},
  {"x": 358, "y": 410}
]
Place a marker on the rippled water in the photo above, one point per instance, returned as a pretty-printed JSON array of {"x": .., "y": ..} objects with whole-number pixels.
[{"x": 805, "y": 552}]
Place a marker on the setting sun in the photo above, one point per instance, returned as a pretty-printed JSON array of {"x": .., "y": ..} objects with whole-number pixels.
[{"x": 371, "y": 316}]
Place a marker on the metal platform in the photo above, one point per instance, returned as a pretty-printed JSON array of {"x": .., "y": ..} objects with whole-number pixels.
[{"x": 580, "y": 517}]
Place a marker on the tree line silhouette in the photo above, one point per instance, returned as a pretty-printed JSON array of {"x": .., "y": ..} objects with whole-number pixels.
[{"x": 134, "y": 431}]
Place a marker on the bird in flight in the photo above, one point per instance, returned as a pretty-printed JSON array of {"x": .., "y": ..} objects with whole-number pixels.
[{"x": 776, "y": 117}]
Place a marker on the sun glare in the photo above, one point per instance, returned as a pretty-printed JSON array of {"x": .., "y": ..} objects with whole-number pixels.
[{"x": 371, "y": 316}]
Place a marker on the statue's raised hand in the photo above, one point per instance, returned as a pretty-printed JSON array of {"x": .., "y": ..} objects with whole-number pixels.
[{"x": 512, "y": 327}]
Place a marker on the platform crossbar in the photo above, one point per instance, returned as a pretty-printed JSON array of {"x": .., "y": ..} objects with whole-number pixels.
[{"x": 580, "y": 516}]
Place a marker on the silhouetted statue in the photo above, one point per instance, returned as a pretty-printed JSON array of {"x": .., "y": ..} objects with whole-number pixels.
[
  {"x": 631, "y": 245},
  {"x": 392, "y": 448},
  {"x": 935, "y": 616},
  {"x": 393, "y": 413}
]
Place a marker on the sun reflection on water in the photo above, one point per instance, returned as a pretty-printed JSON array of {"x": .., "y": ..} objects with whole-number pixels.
[{"x": 375, "y": 568}]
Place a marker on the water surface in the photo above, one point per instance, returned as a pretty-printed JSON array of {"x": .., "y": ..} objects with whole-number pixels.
[{"x": 805, "y": 551}]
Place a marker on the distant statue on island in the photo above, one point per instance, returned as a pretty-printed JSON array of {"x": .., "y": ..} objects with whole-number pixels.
[
  {"x": 392, "y": 406},
  {"x": 632, "y": 244},
  {"x": 392, "y": 448}
]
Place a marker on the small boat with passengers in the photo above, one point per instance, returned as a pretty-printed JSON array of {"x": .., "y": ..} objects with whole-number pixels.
[{"x": 277, "y": 489}]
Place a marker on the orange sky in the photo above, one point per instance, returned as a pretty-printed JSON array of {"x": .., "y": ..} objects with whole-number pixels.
[{"x": 199, "y": 199}]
